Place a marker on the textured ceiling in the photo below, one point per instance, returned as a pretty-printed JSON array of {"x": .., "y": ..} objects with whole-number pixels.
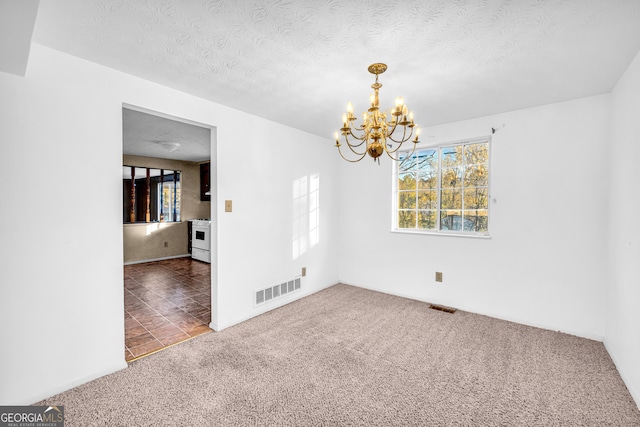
[
  {"x": 153, "y": 136},
  {"x": 299, "y": 62}
]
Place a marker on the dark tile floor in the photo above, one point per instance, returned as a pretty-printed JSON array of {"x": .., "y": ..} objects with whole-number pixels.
[{"x": 165, "y": 302}]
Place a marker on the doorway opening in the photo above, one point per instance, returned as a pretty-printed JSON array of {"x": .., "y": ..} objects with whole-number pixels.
[{"x": 168, "y": 182}]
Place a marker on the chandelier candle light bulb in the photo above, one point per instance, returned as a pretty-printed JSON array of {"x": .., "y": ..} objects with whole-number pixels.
[{"x": 376, "y": 133}]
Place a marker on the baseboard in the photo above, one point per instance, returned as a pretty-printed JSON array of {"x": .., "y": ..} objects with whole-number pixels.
[
  {"x": 157, "y": 259},
  {"x": 68, "y": 386},
  {"x": 218, "y": 327},
  {"x": 581, "y": 334},
  {"x": 633, "y": 391}
]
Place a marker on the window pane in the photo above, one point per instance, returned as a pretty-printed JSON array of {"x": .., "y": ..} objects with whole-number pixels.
[
  {"x": 406, "y": 163},
  {"x": 451, "y": 220},
  {"x": 178, "y": 199},
  {"x": 476, "y": 198},
  {"x": 171, "y": 196},
  {"x": 452, "y": 178},
  {"x": 426, "y": 159},
  {"x": 451, "y": 156},
  {"x": 428, "y": 199},
  {"x": 428, "y": 180},
  {"x": 406, "y": 219},
  {"x": 428, "y": 169},
  {"x": 407, "y": 181},
  {"x": 475, "y": 220},
  {"x": 167, "y": 198},
  {"x": 407, "y": 200},
  {"x": 451, "y": 199},
  {"x": 476, "y": 176},
  {"x": 427, "y": 220},
  {"x": 476, "y": 153}
]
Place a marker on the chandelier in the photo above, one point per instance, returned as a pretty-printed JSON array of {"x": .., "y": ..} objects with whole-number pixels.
[{"x": 380, "y": 132}]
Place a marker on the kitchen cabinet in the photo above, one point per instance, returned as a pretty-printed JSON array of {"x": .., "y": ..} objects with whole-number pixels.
[{"x": 205, "y": 179}]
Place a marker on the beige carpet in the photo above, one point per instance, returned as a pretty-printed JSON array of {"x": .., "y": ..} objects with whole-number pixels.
[{"x": 347, "y": 356}]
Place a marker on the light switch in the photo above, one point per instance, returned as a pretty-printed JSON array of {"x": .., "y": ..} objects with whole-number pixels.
[{"x": 228, "y": 206}]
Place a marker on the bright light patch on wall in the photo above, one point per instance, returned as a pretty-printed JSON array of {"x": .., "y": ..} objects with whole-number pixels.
[
  {"x": 306, "y": 214},
  {"x": 155, "y": 226},
  {"x": 151, "y": 228},
  {"x": 314, "y": 210}
]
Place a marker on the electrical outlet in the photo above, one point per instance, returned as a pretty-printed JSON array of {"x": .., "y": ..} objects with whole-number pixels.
[
  {"x": 438, "y": 276},
  {"x": 166, "y": 244},
  {"x": 228, "y": 206},
  {"x": 304, "y": 271}
]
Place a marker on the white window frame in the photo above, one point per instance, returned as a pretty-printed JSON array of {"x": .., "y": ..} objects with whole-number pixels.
[{"x": 438, "y": 147}]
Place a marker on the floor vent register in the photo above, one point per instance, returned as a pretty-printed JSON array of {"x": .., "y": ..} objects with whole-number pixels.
[
  {"x": 442, "y": 308},
  {"x": 271, "y": 293}
]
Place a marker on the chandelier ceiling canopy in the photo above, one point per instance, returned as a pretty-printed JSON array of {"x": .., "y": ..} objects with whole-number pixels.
[{"x": 380, "y": 132}]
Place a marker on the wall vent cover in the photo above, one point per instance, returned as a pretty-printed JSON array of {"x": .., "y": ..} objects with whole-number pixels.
[{"x": 271, "y": 293}]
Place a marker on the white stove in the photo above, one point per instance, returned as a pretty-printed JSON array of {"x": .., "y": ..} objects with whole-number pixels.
[{"x": 201, "y": 239}]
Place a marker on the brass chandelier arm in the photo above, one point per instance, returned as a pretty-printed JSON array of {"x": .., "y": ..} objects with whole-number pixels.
[
  {"x": 396, "y": 149},
  {"x": 364, "y": 134},
  {"x": 393, "y": 129},
  {"x": 354, "y": 151},
  {"x": 351, "y": 161},
  {"x": 352, "y": 147},
  {"x": 397, "y": 159},
  {"x": 361, "y": 138},
  {"x": 415, "y": 142},
  {"x": 404, "y": 138}
]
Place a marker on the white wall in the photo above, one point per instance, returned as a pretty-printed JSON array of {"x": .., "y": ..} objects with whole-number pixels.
[
  {"x": 623, "y": 294},
  {"x": 258, "y": 235},
  {"x": 545, "y": 263},
  {"x": 61, "y": 308}
]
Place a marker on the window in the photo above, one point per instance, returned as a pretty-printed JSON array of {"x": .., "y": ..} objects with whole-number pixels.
[
  {"x": 444, "y": 189},
  {"x": 150, "y": 195}
]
